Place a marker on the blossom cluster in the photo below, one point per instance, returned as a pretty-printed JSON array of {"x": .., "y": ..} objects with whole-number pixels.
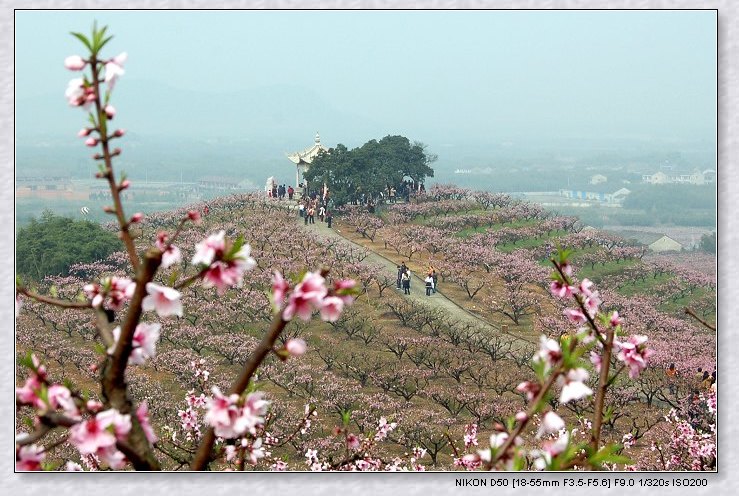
[
  {"x": 222, "y": 264},
  {"x": 94, "y": 436},
  {"x": 309, "y": 295},
  {"x": 232, "y": 416}
]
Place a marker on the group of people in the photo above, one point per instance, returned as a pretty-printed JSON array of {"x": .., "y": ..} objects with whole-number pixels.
[
  {"x": 280, "y": 191},
  {"x": 310, "y": 207},
  {"x": 706, "y": 380},
  {"x": 702, "y": 379},
  {"x": 404, "y": 280}
]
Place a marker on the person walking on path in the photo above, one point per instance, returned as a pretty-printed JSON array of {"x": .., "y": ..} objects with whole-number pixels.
[
  {"x": 429, "y": 284},
  {"x": 329, "y": 219},
  {"x": 400, "y": 276},
  {"x": 312, "y": 215},
  {"x": 301, "y": 210},
  {"x": 290, "y": 192},
  {"x": 321, "y": 213},
  {"x": 671, "y": 374},
  {"x": 406, "y": 280},
  {"x": 706, "y": 380},
  {"x": 435, "y": 277}
]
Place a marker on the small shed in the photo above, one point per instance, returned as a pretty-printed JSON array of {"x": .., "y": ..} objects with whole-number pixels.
[{"x": 665, "y": 243}]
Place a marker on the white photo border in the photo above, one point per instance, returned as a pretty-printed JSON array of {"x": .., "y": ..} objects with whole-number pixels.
[{"x": 308, "y": 484}]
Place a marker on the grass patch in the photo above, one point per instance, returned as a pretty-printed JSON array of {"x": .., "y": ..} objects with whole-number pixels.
[
  {"x": 644, "y": 287},
  {"x": 497, "y": 227},
  {"x": 528, "y": 242},
  {"x": 602, "y": 270}
]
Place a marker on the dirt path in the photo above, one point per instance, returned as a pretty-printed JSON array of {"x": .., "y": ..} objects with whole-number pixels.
[{"x": 418, "y": 289}]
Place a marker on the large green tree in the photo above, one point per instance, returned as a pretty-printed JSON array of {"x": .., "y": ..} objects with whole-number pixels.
[
  {"x": 369, "y": 169},
  {"x": 48, "y": 246}
]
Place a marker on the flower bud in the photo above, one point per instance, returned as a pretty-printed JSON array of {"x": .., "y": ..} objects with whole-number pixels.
[
  {"x": 124, "y": 184},
  {"x": 108, "y": 210},
  {"x": 137, "y": 217},
  {"x": 74, "y": 63},
  {"x": 119, "y": 132},
  {"x": 296, "y": 347},
  {"x": 522, "y": 416},
  {"x": 109, "y": 111},
  {"x": 194, "y": 216},
  {"x": 91, "y": 142},
  {"x": 85, "y": 131}
]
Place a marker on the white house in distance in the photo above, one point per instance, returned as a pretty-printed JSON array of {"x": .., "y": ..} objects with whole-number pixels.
[
  {"x": 598, "y": 179},
  {"x": 303, "y": 159},
  {"x": 610, "y": 199},
  {"x": 696, "y": 177},
  {"x": 665, "y": 243},
  {"x": 655, "y": 241}
]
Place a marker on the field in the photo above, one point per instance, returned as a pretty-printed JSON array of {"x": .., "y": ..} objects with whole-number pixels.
[{"x": 403, "y": 374}]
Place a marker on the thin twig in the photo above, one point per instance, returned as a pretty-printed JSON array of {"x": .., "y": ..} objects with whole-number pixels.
[
  {"x": 53, "y": 301},
  {"x": 705, "y": 324}
]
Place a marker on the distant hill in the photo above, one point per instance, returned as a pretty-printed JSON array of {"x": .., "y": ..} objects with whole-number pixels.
[{"x": 284, "y": 116}]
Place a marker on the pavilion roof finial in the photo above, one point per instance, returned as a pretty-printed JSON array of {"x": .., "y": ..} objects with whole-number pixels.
[{"x": 318, "y": 138}]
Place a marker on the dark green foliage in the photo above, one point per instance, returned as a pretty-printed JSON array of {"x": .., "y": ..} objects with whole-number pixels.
[
  {"x": 708, "y": 243},
  {"x": 684, "y": 204},
  {"x": 369, "y": 169},
  {"x": 50, "y": 245}
]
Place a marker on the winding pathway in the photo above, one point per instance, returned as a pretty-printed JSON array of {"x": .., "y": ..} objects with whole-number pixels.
[{"x": 418, "y": 289}]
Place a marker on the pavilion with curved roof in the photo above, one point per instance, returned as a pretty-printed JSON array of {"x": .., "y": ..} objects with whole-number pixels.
[{"x": 303, "y": 159}]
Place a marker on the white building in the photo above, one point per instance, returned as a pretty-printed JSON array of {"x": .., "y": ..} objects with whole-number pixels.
[
  {"x": 696, "y": 177},
  {"x": 303, "y": 159},
  {"x": 598, "y": 179}
]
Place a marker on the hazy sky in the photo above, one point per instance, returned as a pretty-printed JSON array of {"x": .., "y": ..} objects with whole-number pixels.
[{"x": 648, "y": 75}]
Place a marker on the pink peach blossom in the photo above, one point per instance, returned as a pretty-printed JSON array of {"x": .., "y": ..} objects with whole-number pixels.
[
  {"x": 549, "y": 352},
  {"x": 574, "y": 387},
  {"x": 170, "y": 253},
  {"x": 296, "y": 347},
  {"x": 142, "y": 414},
  {"x": 575, "y": 316},
  {"x": 207, "y": 250},
  {"x": 74, "y": 63},
  {"x": 634, "y": 353},
  {"x": 91, "y": 435},
  {"x": 29, "y": 458},
  {"x": 561, "y": 290},
  {"x": 585, "y": 285},
  {"x": 280, "y": 287},
  {"x": 194, "y": 216},
  {"x": 114, "y": 69},
  {"x": 331, "y": 308},
  {"x": 165, "y": 301},
  {"x": 550, "y": 423}
]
